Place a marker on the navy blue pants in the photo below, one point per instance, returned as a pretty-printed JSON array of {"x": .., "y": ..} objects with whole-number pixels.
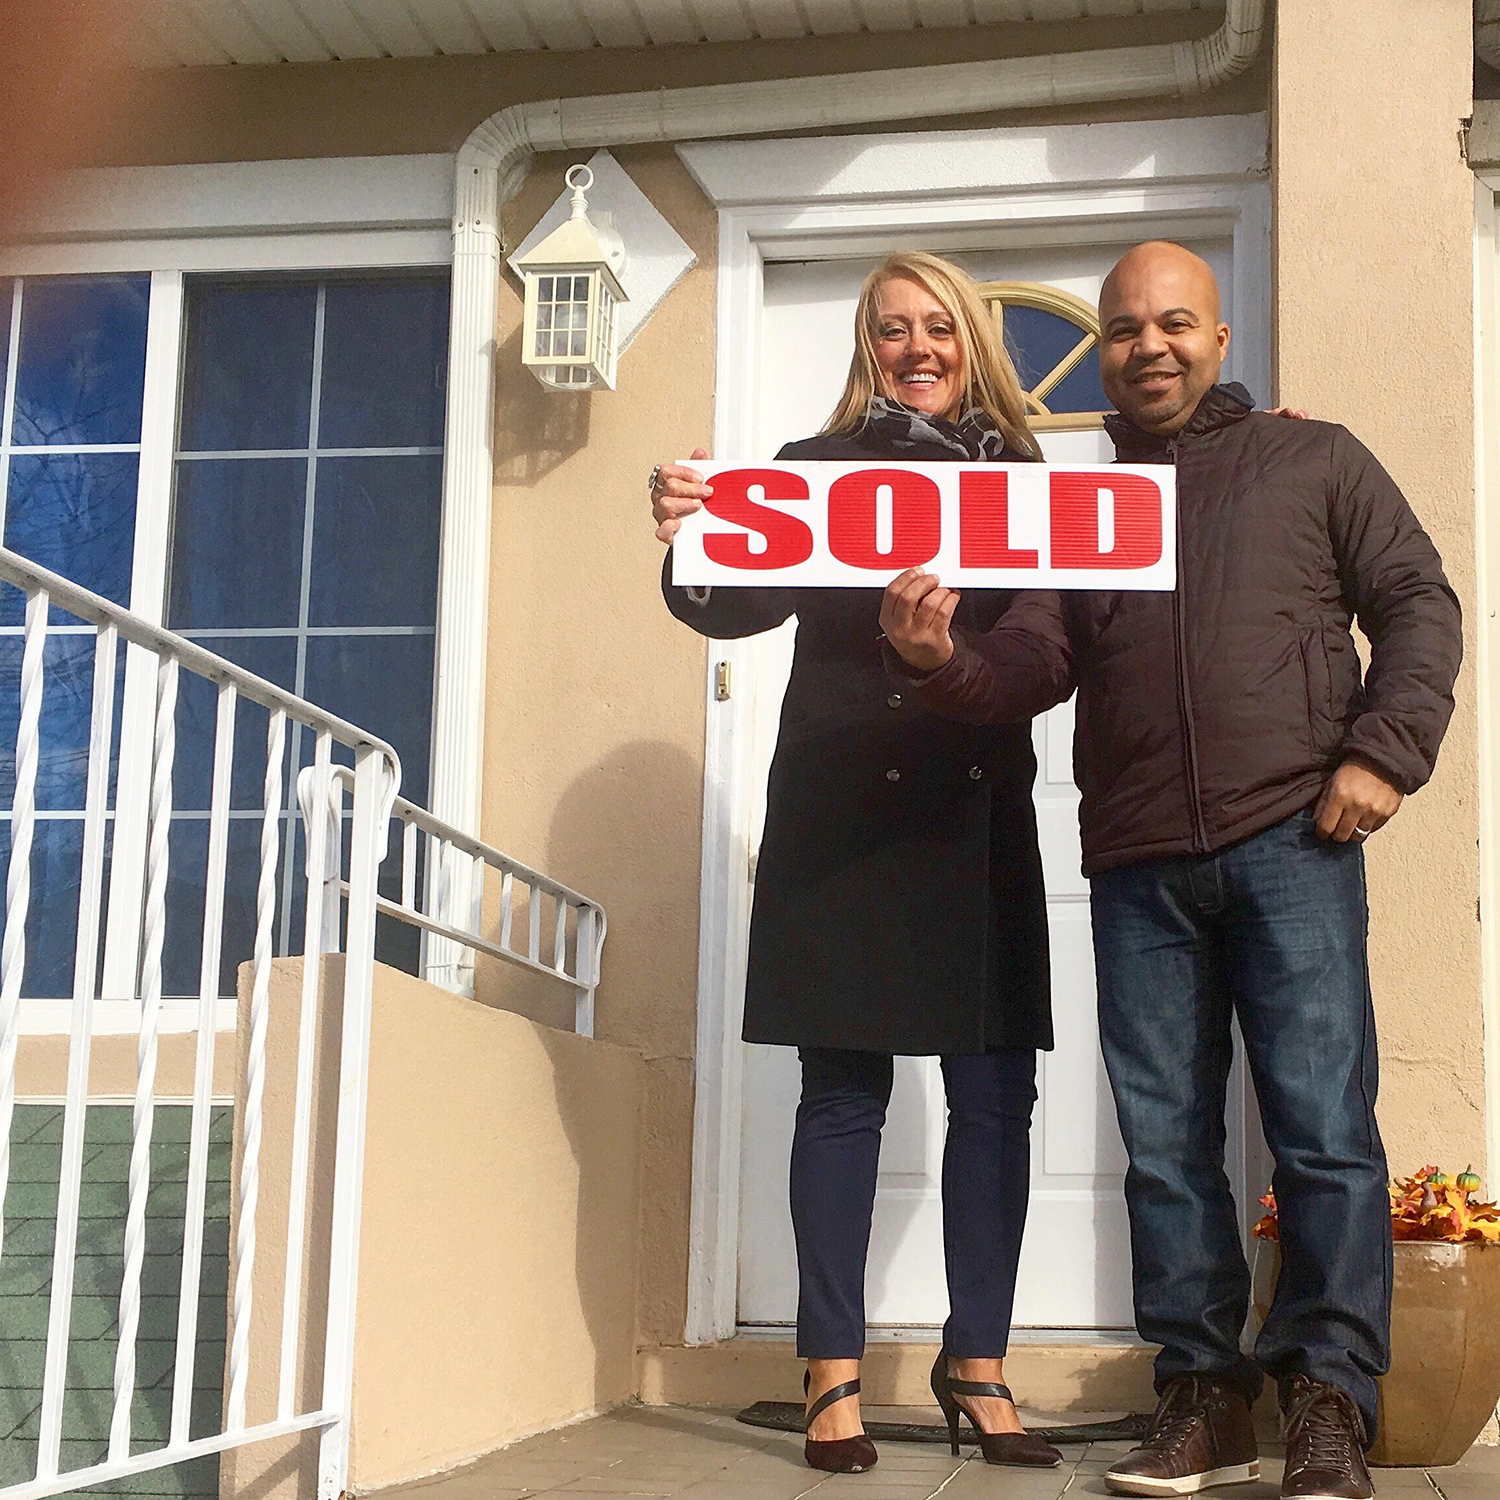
[
  {"x": 1273, "y": 931},
  {"x": 986, "y": 1185}
]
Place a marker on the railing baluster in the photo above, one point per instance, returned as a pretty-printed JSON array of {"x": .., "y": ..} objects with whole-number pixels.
[
  {"x": 316, "y": 832},
  {"x": 534, "y": 912},
  {"x": 255, "y": 1073},
  {"x": 154, "y": 934},
  {"x": 409, "y": 865},
  {"x": 18, "y": 877},
  {"x": 560, "y": 935},
  {"x": 75, "y": 1112},
  {"x": 507, "y": 907},
  {"x": 583, "y": 967},
  {"x": 210, "y": 955}
]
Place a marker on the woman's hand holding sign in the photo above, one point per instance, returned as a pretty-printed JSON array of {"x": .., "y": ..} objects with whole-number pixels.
[
  {"x": 676, "y": 491},
  {"x": 915, "y": 614}
]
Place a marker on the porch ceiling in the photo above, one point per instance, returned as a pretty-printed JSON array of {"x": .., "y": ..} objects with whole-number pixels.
[{"x": 199, "y": 32}]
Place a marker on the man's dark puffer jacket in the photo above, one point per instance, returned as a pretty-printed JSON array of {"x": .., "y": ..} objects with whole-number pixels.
[{"x": 1208, "y": 715}]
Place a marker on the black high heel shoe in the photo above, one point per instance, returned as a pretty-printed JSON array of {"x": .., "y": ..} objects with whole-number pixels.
[
  {"x": 851, "y": 1455},
  {"x": 1015, "y": 1449}
]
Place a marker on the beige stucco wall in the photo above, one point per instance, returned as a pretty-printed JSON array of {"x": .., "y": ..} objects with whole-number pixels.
[
  {"x": 1374, "y": 325},
  {"x": 497, "y": 1265},
  {"x": 593, "y": 766},
  {"x": 42, "y": 1066}
]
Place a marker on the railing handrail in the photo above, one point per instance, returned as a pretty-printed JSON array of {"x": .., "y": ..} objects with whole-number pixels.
[
  {"x": 97, "y": 610},
  {"x": 589, "y": 944}
]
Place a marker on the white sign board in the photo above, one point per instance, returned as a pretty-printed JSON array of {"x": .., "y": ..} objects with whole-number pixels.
[{"x": 999, "y": 526}]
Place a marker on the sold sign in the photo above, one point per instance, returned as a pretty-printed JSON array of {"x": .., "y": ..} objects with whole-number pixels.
[{"x": 839, "y": 525}]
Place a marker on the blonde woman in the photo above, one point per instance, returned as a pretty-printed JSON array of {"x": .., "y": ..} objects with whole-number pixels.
[{"x": 899, "y": 905}]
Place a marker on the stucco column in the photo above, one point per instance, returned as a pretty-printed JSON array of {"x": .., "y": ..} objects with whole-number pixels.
[{"x": 1373, "y": 313}]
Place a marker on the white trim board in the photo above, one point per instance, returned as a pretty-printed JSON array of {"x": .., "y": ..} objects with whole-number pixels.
[
  {"x": 864, "y": 195},
  {"x": 245, "y": 197},
  {"x": 1487, "y": 539},
  {"x": 849, "y": 168}
]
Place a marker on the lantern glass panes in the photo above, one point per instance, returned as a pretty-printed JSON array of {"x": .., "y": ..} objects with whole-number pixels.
[{"x": 570, "y": 338}]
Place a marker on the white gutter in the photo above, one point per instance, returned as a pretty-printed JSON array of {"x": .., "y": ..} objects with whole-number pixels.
[
  {"x": 1487, "y": 32},
  {"x": 493, "y": 164}
]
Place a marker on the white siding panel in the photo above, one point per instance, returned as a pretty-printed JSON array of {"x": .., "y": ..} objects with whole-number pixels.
[
  {"x": 450, "y": 27},
  {"x": 832, "y": 17},
  {"x": 936, "y": 13},
  {"x": 558, "y": 24},
  {"x": 613, "y": 23},
  {"x": 989, "y": 12},
  {"x": 290, "y": 33},
  {"x": 223, "y": 23},
  {"x": 669, "y": 21},
  {"x": 174, "y": 37},
  {"x": 504, "y": 27},
  {"x": 776, "y": 18},
  {"x": 392, "y": 24},
  {"x": 340, "y": 27},
  {"x": 887, "y": 15}
]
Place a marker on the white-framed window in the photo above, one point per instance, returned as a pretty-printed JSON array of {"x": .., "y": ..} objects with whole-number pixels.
[{"x": 240, "y": 438}]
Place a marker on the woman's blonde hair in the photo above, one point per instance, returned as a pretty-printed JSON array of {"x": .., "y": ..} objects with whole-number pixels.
[{"x": 990, "y": 381}]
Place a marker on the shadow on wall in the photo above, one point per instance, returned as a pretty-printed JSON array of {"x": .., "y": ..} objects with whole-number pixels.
[
  {"x": 612, "y": 829},
  {"x": 535, "y": 432}
]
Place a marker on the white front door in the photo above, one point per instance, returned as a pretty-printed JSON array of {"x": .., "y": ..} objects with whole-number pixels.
[{"x": 1075, "y": 1266}]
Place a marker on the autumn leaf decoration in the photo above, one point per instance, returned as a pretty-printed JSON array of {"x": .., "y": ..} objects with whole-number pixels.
[{"x": 1428, "y": 1206}]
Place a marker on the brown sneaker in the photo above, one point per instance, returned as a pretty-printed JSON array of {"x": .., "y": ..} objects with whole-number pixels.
[
  {"x": 1201, "y": 1435},
  {"x": 1325, "y": 1441}
]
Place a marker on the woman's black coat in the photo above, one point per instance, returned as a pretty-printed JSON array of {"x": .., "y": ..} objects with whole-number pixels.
[{"x": 899, "y": 904}]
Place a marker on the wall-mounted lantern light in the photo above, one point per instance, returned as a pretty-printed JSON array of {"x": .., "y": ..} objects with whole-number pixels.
[{"x": 570, "y": 340}]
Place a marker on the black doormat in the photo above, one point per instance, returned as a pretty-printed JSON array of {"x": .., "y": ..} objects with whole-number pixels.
[{"x": 787, "y": 1416}]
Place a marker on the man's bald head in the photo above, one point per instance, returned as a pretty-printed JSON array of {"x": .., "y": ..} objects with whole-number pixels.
[{"x": 1162, "y": 340}]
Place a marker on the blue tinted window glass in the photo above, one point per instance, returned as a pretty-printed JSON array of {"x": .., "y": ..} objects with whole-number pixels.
[
  {"x": 247, "y": 373},
  {"x": 375, "y": 541},
  {"x": 1037, "y": 341},
  {"x": 384, "y": 684},
  {"x": 236, "y": 543},
  {"x": 1081, "y": 389},
  {"x": 67, "y": 711},
  {"x": 82, "y": 364},
  {"x": 385, "y": 364},
  {"x": 187, "y": 854},
  {"x": 52, "y": 912},
  {"x": 271, "y": 657},
  {"x": 73, "y": 513}
]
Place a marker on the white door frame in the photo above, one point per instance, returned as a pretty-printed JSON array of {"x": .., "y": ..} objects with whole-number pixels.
[
  {"x": 1487, "y": 556},
  {"x": 857, "y": 196}
]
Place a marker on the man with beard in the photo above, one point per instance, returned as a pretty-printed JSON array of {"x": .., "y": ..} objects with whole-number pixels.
[{"x": 1232, "y": 760}]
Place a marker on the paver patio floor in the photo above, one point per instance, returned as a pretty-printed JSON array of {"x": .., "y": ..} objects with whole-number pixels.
[{"x": 694, "y": 1453}]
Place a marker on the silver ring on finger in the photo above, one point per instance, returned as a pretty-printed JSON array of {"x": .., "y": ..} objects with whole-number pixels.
[
  {"x": 1362, "y": 833},
  {"x": 654, "y": 482}
]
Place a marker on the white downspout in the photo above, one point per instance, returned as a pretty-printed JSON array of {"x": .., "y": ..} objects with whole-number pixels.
[
  {"x": 1487, "y": 32},
  {"x": 493, "y": 164}
]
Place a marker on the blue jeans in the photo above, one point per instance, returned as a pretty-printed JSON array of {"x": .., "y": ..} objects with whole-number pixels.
[
  {"x": 1272, "y": 931},
  {"x": 986, "y": 1186}
]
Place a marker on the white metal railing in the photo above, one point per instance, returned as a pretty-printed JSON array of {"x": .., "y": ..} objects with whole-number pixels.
[
  {"x": 442, "y": 891},
  {"x": 376, "y": 767},
  {"x": 345, "y": 851}
]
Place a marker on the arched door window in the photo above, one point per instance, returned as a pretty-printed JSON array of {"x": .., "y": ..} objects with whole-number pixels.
[{"x": 1053, "y": 337}]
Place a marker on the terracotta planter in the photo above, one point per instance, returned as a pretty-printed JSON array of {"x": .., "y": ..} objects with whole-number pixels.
[{"x": 1445, "y": 1348}]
